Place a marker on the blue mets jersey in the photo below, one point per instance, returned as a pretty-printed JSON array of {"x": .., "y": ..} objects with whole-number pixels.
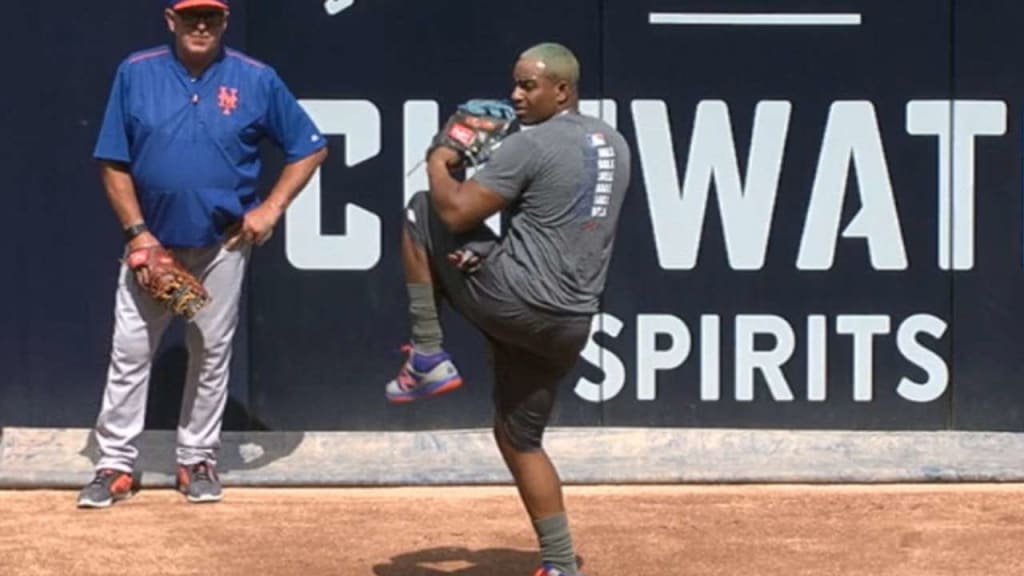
[{"x": 192, "y": 144}]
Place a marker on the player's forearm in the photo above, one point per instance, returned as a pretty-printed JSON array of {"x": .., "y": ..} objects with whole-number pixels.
[
  {"x": 120, "y": 188},
  {"x": 460, "y": 205},
  {"x": 444, "y": 189},
  {"x": 446, "y": 197},
  {"x": 293, "y": 179}
]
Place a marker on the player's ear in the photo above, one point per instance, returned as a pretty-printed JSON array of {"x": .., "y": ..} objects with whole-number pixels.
[
  {"x": 172, "y": 23},
  {"x": 562, "y": 92}
]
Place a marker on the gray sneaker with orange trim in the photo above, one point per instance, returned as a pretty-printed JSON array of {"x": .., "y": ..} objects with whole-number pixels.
[
  {"x": 199, "y": 482},
  {"x": 107, "y": 487}
]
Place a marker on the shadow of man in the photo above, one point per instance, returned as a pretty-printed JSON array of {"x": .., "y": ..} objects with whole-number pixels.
[
  {"x": 163, "y": 407},
  {"x": 460, "y": 561}
]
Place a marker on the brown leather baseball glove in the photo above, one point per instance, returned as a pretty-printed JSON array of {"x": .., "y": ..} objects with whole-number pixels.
[{"x": 168, "y": 281}]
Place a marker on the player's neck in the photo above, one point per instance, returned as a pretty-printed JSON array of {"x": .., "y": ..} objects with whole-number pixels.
[
  {"x": 570, "y": 107},
  {"x": 195, "y": 65}
]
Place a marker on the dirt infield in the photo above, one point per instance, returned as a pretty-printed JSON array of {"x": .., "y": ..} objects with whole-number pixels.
[{"x": 928, "y": 530}]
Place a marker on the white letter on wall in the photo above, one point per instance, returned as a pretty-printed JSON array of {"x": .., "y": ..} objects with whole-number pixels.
[{"x": 359, "y": 248}]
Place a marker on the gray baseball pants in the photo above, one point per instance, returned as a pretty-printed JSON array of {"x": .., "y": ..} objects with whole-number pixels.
[{"x": 139, "y": 324}]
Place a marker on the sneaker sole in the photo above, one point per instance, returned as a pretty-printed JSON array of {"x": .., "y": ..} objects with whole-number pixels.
[
  {"x": 204, "y": 499},
  {"x": 95, "y": 505},
  {"x": 578, "y": 573},
  {"x": 425, "y": 392}
]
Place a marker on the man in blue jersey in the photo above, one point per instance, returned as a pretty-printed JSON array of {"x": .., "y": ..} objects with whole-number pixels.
[
  {"x": 179, "y": 159},
  {"x": 533, "y": 292}
]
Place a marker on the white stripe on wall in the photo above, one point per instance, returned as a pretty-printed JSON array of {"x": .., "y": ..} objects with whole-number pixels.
[{"x": 734, "y": 19}]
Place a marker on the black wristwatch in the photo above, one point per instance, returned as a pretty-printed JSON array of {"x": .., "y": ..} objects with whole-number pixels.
[{"x": 134, "y": 230}]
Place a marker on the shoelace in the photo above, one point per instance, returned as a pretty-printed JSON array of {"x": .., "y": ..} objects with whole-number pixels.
[
  {"x": 202, "y": 472},
  {"x": 406, "y": 380},
  {"x": 103, "y": 478}
]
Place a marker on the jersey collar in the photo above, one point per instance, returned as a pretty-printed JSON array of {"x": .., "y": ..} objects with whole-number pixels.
[{"x": 182, "y": 71}]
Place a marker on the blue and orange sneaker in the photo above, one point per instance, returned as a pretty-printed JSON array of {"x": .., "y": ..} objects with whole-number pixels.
[
  {"x": 423, "y": 375},
  {"x": 549, "y": 570}
]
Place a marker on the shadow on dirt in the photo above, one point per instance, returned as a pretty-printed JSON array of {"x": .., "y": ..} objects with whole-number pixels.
[{"x": 458, "y": 561}]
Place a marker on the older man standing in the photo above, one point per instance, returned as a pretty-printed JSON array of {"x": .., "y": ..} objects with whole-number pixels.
[{"x": 179, "y": 159}]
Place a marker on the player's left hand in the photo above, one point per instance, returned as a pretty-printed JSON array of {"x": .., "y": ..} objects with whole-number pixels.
[
  {"x": 451, "y": 158},
  {"x": 256, "y": 227}
]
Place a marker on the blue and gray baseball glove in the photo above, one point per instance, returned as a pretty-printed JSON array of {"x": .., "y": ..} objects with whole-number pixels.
[{"x": 475, "y": 128}]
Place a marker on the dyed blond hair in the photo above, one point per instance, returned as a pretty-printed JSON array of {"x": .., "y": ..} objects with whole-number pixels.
[{"x": 559, "y": 62}]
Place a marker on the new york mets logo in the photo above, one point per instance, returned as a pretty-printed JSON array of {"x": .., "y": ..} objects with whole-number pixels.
[{"x": 227, "y": 99}]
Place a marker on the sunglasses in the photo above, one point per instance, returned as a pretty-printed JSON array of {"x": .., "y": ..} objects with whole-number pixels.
[{"x": 212, "y": 18}]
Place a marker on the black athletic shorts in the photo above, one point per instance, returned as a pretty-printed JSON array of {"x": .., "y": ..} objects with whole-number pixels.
[{"x": 531, "y": 350}]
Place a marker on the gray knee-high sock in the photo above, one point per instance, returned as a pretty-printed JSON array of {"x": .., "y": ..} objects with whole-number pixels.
[
  {"x": 556, "y": 543},
  {"x": 426, "y": 328}
]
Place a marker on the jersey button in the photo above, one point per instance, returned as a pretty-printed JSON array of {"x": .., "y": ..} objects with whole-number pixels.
[{"x": 195, "y": 98}]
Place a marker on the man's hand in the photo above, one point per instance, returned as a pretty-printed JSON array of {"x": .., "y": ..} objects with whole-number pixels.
[
  {"x": 256, "y": 227},
  {"x": 450, "y": 158},
  {"x": 168, "y": 281},
  {"x": 144, "y": 240},
  {"x": 466, "y": 260}
]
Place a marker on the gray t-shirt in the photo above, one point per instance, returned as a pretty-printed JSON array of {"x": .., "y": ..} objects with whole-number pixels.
[{"x": 565, "y": 180}]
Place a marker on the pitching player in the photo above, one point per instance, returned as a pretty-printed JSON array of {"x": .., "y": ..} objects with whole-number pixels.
[
  {"x": 532, "y": 292},
  {"x": 179, "y": 158}
]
